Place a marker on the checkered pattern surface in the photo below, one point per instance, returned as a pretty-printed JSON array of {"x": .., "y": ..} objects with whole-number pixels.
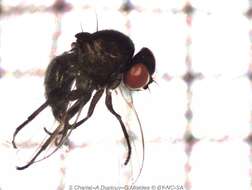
[{"x": 196, "y": 118}]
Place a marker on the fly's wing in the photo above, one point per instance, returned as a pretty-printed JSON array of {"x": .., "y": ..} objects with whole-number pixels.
[{"x": 128, "y": 113}]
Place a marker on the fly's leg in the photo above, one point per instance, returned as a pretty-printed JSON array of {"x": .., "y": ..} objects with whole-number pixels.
[
  {"x": 71, "y": 112},
  {"x": 109, "y": 105},
  {"x": 59, "y": 131},
  {"x": 72, "y": 96},
  {"x": 43, "y": 147},
  {"x": 29, "y": 119},
  {"x": 74, "y": 109},
  {"x": 91, "y": 108}
]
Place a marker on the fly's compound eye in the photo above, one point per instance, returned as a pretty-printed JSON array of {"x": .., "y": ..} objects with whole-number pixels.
[{"x": 137, "y": 77}]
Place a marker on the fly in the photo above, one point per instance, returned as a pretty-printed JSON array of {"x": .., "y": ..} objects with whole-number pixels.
[{"x": 97, "y": 64}]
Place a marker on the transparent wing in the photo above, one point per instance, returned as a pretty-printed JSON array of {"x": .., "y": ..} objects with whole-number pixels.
[{"x": 129, "y": 115}]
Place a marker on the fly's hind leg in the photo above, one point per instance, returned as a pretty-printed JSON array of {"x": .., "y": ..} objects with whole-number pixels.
[
  {"x": 29, "y": 119},
  {"x": 43, "y": 147},
  {"x": 83, "y": 98},
  {"x": 75, "y": 108}
]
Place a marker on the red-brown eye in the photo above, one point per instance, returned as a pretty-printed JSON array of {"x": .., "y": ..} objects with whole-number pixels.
[{"x": 137, "y": 77}]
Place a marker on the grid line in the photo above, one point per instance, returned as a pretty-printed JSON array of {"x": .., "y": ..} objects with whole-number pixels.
[{"x": 61, "y": 7}]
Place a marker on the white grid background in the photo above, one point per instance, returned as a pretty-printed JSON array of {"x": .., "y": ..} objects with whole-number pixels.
[{"x": 196, "y": 121}]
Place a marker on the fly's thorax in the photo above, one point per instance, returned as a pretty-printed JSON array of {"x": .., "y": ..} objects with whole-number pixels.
[
  {"x": 102, "y": 57},
  {"x": 99, "y": 64}
]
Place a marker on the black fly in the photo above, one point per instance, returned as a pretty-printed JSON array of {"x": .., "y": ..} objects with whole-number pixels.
[{"x": 97, "y": 63}]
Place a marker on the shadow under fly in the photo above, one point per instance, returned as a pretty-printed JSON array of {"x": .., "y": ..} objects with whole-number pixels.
[{"x": 97, "y": 64}]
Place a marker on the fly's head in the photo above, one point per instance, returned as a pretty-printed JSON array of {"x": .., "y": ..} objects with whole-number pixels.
[{"x": 139, "y": 74}]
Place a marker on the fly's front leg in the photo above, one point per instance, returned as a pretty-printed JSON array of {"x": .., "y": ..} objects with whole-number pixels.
[{"x": 109, "y": 105}]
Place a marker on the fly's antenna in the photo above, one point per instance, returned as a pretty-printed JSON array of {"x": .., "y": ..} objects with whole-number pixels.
[{"x": 155, "y": 82}]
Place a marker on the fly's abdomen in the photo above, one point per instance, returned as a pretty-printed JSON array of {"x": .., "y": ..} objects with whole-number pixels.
[{"x": 58, "y": 83}]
